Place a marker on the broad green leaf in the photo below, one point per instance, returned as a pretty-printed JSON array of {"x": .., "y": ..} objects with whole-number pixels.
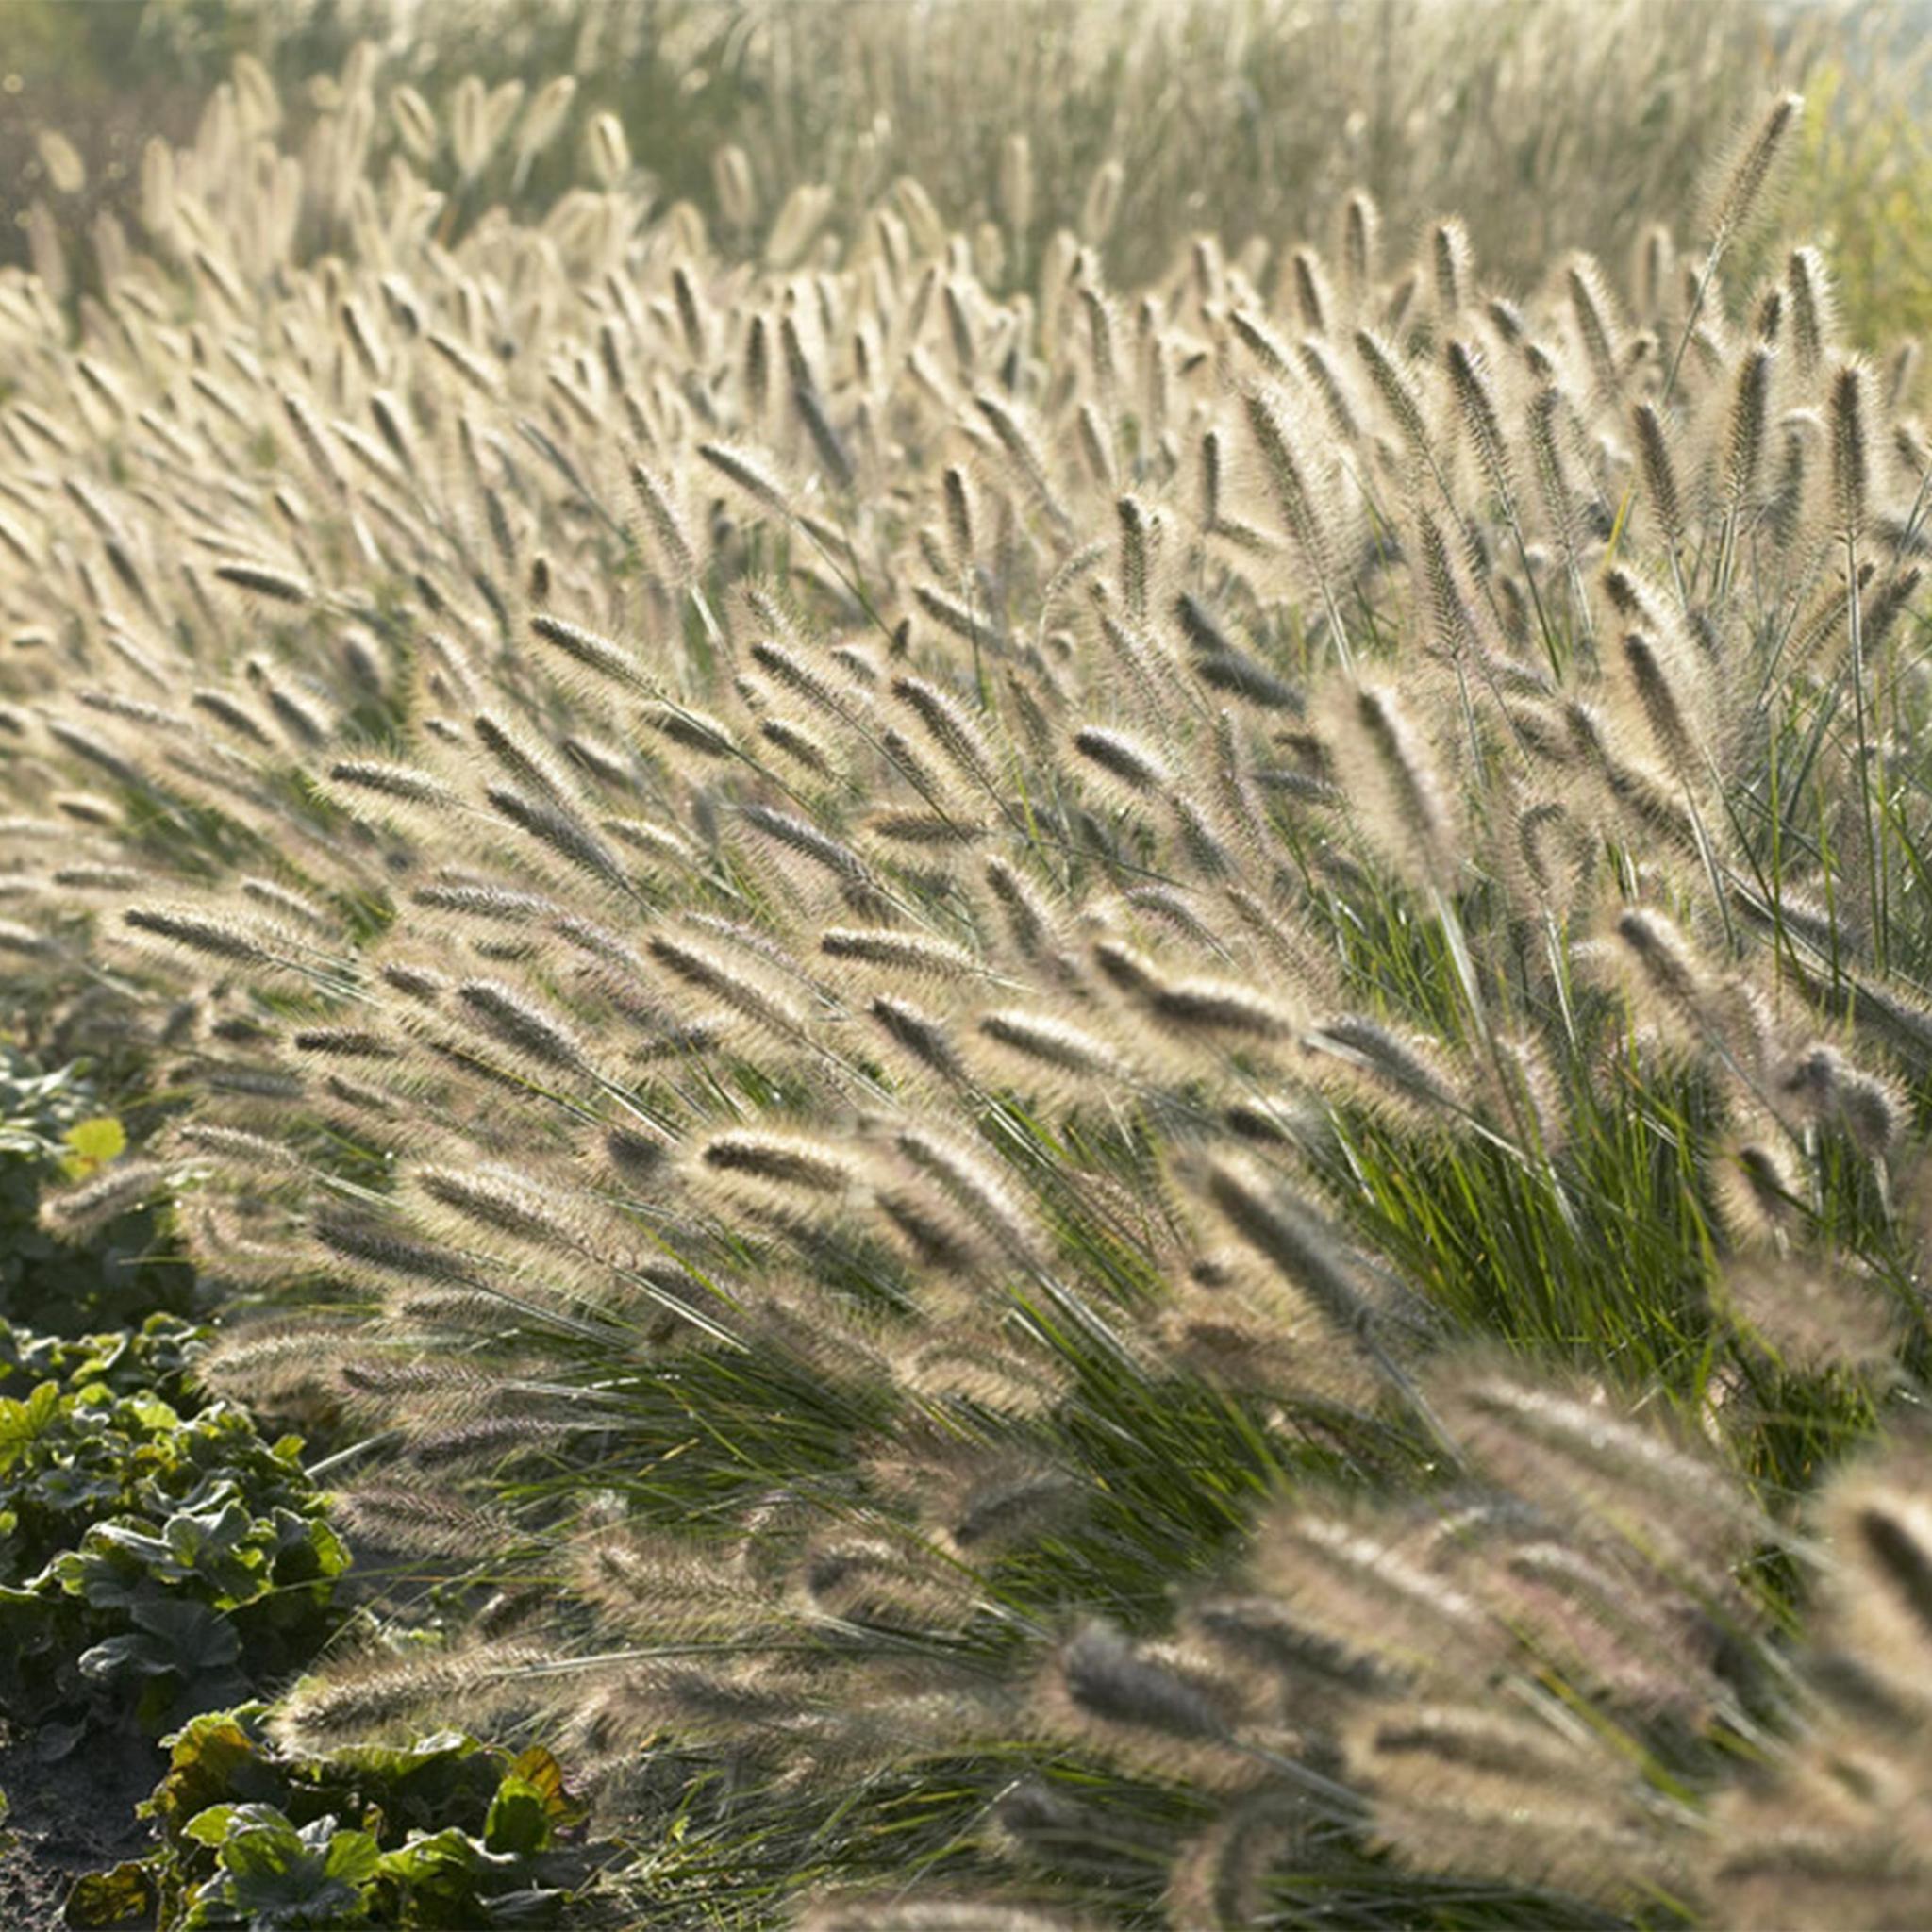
[
  {"x": 519, "y": 1820},
  {"x": 152, "y": 1413},
  {"x": 538, "y": 1768},
  {"x": 23, "y": 1423},
  {"x": 90, "y": 1144},
  {"x": 209, "y": 1827},
  {"x": 134, "y": 1654},
  {"x": 199, "y": 1639},
  {"x": 353, "y": 1856},
  {"x": 211, "y": 1758},
  {"x": 142, "y": 1545},
  {"x": 125, "y": 1895}
]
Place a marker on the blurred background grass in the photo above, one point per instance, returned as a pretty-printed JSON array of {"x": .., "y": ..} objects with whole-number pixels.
[{"x": 1546, "y": 124}]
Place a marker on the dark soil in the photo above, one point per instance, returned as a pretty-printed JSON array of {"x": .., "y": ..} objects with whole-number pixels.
[{"x": 70, "y": 1814}]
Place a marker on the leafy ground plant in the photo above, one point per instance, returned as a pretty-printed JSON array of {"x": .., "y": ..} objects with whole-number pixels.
[
  {"x": 156, "y": 1558},
  {"x": 52, "y": 1128},
  {"x": 440, "y": 1832}
]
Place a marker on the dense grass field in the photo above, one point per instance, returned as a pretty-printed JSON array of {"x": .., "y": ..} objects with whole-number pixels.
[{"x": 945, "y": 995}]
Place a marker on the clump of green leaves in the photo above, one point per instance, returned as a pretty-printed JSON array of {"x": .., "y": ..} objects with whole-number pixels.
[
  {"x": 153, "y": 1358},
  {"x": 153, "y": 1562},
  {"x": 52, "y": 1128},
  {"x": 441, "y": 1832},
  {"x": 38, "y": 1109}
]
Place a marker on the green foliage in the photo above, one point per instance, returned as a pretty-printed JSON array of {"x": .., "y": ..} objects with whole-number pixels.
[
  {"x": 152, "y": 1359},
  {"x": 36, "y": 1108},
  {"x": 440, "y": 1832},
  {"x": 1866, "y": 184},
  {"x": 51, "y": 1128},
  {"x": 1549, "y": 124},
  {"x": 154, "y": 1561}
]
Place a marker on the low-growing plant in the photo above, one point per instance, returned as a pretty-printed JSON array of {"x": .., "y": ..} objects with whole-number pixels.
[
  {"x": 153, "y": 1360},
  {"x": 52, "y": 1129},
  {"x": 158, "y": 1557},
  {"x": 441, "y": 1832}
]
